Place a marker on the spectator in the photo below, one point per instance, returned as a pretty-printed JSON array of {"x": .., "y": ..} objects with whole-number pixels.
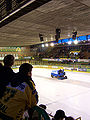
[
  {"x": 23, "y": 79},
  {"x": 69, "y": 118},
  {"x": 59, "y": 115},
  {"x": 6, "y": 72},
  {"x": 15, "y": 100},
  {"x": 8, "y": 61}
]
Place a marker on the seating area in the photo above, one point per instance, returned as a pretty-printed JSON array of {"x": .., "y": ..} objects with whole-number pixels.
[{"x": 73, "y": 52}]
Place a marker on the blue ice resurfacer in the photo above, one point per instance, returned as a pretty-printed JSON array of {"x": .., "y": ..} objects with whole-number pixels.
[{"x": 60, "y": 74}]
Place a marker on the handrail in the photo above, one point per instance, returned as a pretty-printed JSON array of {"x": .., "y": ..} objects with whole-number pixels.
[{"x": 79, "y": 118}]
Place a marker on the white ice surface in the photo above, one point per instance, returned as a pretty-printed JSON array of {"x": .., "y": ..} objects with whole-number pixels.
[{"x": 71, "y": 95}]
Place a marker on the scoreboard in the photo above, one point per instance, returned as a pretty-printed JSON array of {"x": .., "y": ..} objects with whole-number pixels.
[
  {"x": 9, "y": 6},
  {"x": 13, "y": 9}
]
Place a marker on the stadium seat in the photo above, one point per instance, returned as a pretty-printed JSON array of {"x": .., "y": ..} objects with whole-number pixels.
[
  {"x": 38, "y": 113},
  {"x": 79, "y": 118}
]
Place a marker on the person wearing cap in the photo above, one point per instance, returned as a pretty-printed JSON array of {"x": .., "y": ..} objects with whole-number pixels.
[{"x": 59, "y": 115}]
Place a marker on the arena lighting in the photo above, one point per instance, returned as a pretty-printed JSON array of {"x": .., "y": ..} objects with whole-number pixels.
[
  {"x": 51, "y": 38},
  {"x": 51, "y": 44},
  {"x": 41, "y": 37},
  {"x": 46, "y": 44},
  {"x": 46, "y": 38},
  {"x": 58, "y": 31},
  {"x": 69, "y": 42},
  {"x": 68, "y": 35},
  {"x": 57, "y": 36},
  {"x": 43, "y": 45},
  {"x": 74, "y": 34},
  {"x": 75, "y": 42}
]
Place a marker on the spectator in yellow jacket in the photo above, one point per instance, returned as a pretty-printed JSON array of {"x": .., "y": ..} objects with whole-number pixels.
[{"x": 19, "y": 96}]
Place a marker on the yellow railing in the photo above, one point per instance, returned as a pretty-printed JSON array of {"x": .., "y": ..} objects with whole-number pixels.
[{"x": 79, "y": 118}]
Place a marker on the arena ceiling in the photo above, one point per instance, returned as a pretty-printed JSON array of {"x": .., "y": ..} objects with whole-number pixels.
[{"x": 67, "y": 15}]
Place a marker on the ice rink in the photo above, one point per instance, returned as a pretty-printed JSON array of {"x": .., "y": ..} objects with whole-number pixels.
[{"x": 71, "y": 95}]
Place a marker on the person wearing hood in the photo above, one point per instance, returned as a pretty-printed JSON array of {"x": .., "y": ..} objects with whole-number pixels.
[{"x": 18, "y": 96}]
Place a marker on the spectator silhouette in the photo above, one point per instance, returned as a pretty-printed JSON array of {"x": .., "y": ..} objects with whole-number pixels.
[
  {"x": 59, "y": 115},
  {"x": 8, "y": 61},
  {"x": 69, "y": 118},
  {"x": 6, "y": 73}
]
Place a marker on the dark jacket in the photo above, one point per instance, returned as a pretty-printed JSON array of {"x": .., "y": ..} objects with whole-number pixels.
[{"x": 6, "y": 75}]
